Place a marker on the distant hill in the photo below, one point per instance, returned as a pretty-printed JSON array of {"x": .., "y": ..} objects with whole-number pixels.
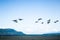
[
  {"x": 10, "y": 32},
  {"x": 51, "y": 34}
]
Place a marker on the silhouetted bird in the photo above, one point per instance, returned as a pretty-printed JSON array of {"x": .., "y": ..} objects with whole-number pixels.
[
  {"x": 15, "y": 21},
  {"x": 40, "y": 19},
  {"x": 56, "y": 21},
  {"x": 36, "y": 21},
  {"x": 42, "y": 23},
  {"x": 20, "y": 19},
  {"x": 48, "y": 21}
]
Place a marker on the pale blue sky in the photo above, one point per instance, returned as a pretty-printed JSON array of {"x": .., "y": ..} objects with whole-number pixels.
[{"x": 30, "y": 11}]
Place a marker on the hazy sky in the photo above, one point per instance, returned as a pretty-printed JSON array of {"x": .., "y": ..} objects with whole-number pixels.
[{"x": 30, "y": 11}]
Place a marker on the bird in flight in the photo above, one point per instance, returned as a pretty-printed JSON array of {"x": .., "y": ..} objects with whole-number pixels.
[
  {"x": 39, "y": 19},
  {"x": 15, "y": 21},
  {"x": 56, "y": 21},
  {"x": 42, "y": 22},
  {"x": 36, "y": 21},
  {"x": 20, "y": 19},
  {"x": 48, "y": 21}
]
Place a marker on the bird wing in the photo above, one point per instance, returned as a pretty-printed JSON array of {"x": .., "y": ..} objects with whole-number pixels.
[
  {"x": 36, "y": 21},
  {"x": 48, "y": 21},
  {"x": 42, "y": 23},
  {"x": 56, "y": 21},
  {"x": 15, "y": 21},
  {"x": 40, "y": 19},
  {"x": 20, "y": 19}
]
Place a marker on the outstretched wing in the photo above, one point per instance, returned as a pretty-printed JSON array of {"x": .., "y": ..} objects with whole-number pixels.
[
  {"x": 56, "y": 21},
  {"x": 48, "y": 21},
  {"x": 36, "y": 21},
  {"x": 20, "y": 19},
  {"x": 42, "y": 22},
  {"x": 40, "y": 19},
  {"x": 15, "y": 21}
]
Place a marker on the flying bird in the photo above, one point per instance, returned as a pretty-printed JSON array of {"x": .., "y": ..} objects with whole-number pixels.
[
  {"x": 56, "y": 21},
  {"x": 15, "y": 21},
  {"x": 20, "y": 19},
  {"x": 40, "y": 19},
  {"x": 42, "y": 23},
  {"x": 36, "y": 21},
  {"x": 48, "y": 21}
]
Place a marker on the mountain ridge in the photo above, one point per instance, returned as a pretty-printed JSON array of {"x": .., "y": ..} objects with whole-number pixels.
[{"x": 12, "y": 32}]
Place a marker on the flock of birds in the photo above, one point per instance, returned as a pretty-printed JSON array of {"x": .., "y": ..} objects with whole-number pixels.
[
  {"x": 48, "y": 21},
  {"x": 39, "y": 19}
]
